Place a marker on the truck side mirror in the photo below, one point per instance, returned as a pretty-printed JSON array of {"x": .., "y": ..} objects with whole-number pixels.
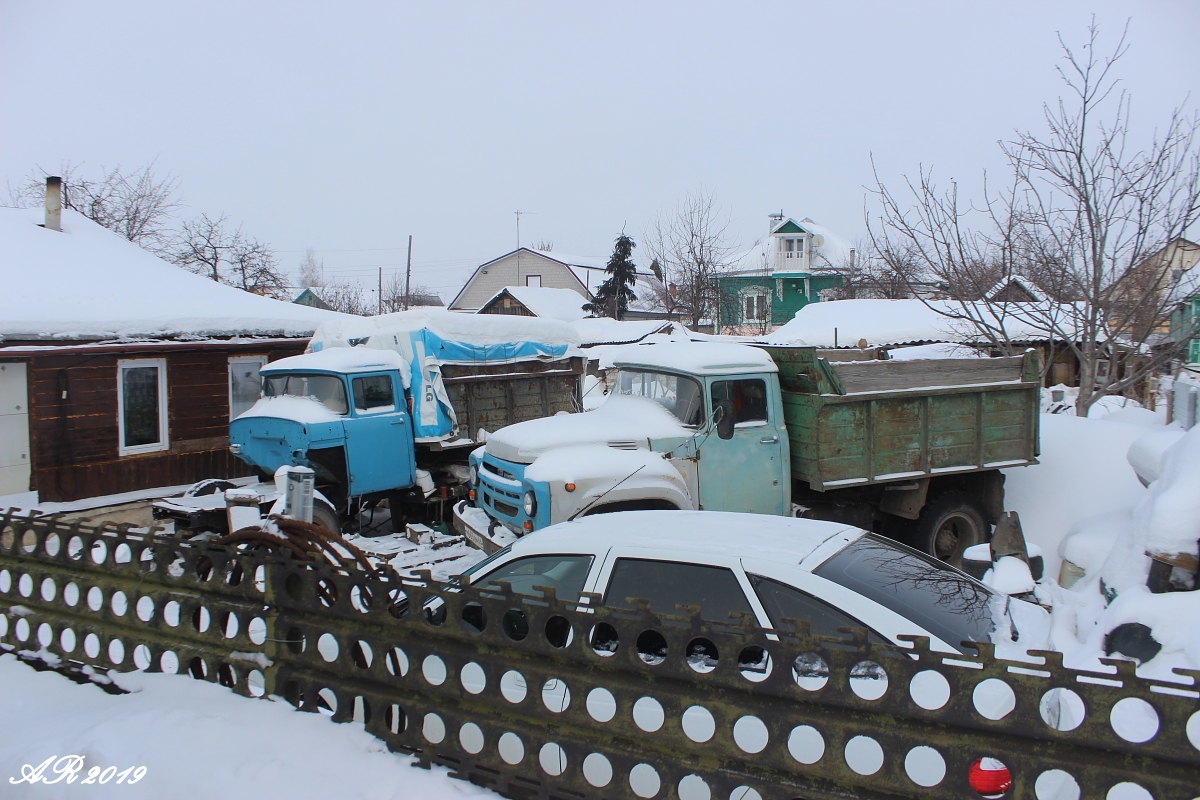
[{"x": 723, "y": 419}]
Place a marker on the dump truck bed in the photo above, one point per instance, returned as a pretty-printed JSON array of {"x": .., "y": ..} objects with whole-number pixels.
[
  {"x": 491, "y": 396},
  {"x": 862, "y": 422}
]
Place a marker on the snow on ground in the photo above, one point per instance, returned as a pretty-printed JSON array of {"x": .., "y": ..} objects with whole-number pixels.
[{"x": 197, "y": 740}]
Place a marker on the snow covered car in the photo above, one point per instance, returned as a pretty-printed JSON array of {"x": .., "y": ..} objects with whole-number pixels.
[{"x": 774, "y": 568}]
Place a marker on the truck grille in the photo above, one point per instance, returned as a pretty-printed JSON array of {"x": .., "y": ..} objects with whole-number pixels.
[{"x": 505, "y": 508}]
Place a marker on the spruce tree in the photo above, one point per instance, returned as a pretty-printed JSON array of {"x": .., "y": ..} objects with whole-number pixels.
[{"x": 613, "y": 297}]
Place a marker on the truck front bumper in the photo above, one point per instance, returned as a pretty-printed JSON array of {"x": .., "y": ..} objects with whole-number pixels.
[{"x": 480, "y": 530}]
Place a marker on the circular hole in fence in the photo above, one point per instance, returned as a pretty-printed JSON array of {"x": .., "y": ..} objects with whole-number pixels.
[
  {"x": 234, "y": 575},
  {"x": 45, "y": 634},
  {"x": 395, "y": 719},
  {"x": 227, "y": 676},
  {"x": 433, "y": 729},
  {"x": 597, "y": 770},
  {"x": 1054, "y": 784},
  {"x": 1134, "y": 720},
  {"x": 116, "y": 651},
  {"x": 929, "y": 689},
  {"x": 327, "y": 593},
  {"x": 168, "y": 662},
  {"x": 142, "y": 658},
  {"x": 552, "y": 758},
  {"x": 1062, "y": 709},
  {"x": 70, "y": 594},
  {"x": 473, "y": 678},
  {"x": 53, "y": 545},
  {"x": 99, "y": 552},
  {"x": 925, "y": 766},
  {"x": 745, "y": 793},
  {"x": 806, "y": 744},
  {"x": 512, "y": 686},
  {"x": 146, "y": 559},
  {"x": 601, "y": 704},
  {"x": 652, "y": 647},
  {"x": 201, "y": 619},
  {"x": 22, "y": 631},
  {"x": 294, "y": 586},
  {"x": 474, "y": 618},
  {"x": 119, "y": 603},
  {"x": 327, "y": 646},
  {"x": 434, "y": 670},
  {"x": 257, "y": 630},
  {"x": 864, "y": 755},
  {"x": 515, "y": 624},
  {"x": 7, "y": 537},
  {"x": 868, "y": 680},
  {"x": 754, "y": 662},
  {"x": 28, "y": 541},
  {"x": 327, "y": 702},
  {"x": 559, "y": 632},
  {"x": 989, "y": 777},
  {"x": 993, "y": 699},
  {"x": 95, "y": 598},
  {"x": 362, "y": 655},
  {"x": 648, "y": 714},
  {"x": 204, "y": 569},
  {"x": 66, "y": 640},
  {"x": 1128, "y": 790},
  {"x": 470, "y": 736},
  {"x": 256, "y": 683},
  {"x": 702, "y": 655},
  {"x": 644, "y": 780},
  {"x": 434, "y": 611},
  {"x": 556, "y": 696},
  {"x": 698, "y": 724},
  {"x": 750, "y": 734},
  {"x": 1193, "y": 729},
  {"x": 75, "y": 548},
  {"x": 171, "y": 613},
  {"x": 604, "y": 639},
  {"x": 3, "y": 625},
  {"x": 198, "y": 668},
  {"x": 145, "y": 608},
  {"x": 693, "y": 787},
  {"x": 5, "y": 581},
  {"x": 122, "y": 554},
  {"x": 360, "y": 598},
  {"x": 511, "y": 748},
  {"x": 260, "y": 579},
  {"x": 397, "y": 662},
  {"x": 25, "y": 585},
  {"x": 49, "y": 589},
  {"x": 810, "y": 672},
  {"x": 296, "y": 641},
  {"x": 398, "y": 603}
]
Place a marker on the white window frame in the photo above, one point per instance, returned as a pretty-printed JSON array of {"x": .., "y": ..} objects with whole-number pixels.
[
  {"x": 529, "y": 281},
  {"x": 163, "y": 442},
  {"x": 260, "y": 360}
]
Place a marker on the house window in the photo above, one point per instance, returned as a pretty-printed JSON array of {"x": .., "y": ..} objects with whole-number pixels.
[
  {"x": 793, "y": 248},
  {"x": 245, "y": 385},
  {"x": 142, "y": 406},
  {"x": 533, "y": 280},
  {"x": 756, "y": 308}
]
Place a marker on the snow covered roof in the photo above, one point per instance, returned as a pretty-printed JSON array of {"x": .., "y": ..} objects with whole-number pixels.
[
  {"x": 697, "y": 358},
  {"x": 1029, "y": 287},
  {"x": 831, "y": 253},
  {"x": 562, "y": 304},
  {"x": 340, "y": 359},
  {"x": 87, "y": 283},
  {"x": 1189, "y": 284}
]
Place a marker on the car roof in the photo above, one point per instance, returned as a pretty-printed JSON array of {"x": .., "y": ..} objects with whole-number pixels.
[{"x": 786, "y": 540}]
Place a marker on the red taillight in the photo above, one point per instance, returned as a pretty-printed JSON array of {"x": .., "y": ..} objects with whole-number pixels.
[{"x": 989, "y": 777}]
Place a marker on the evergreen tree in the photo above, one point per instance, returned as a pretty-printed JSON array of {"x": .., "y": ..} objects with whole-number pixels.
[{"x": 613, "y": 297}]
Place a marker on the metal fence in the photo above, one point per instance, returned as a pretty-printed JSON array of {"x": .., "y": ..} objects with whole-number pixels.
[{"x": 543, "y": 698}]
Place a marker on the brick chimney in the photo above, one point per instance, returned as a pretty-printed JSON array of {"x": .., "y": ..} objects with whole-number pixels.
[{"x": 54, "y": 203}]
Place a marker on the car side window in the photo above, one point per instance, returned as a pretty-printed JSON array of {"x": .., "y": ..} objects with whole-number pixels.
[
  {"x": 784, "y": 602},
  {"x": 374, "y": 393},
  {"x": 748, "y": 397},
  {"x": 667, "y": 584},
  {"x": 565, "y": 574}
]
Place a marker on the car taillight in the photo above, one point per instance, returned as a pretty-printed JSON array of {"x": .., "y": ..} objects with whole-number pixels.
[{"x": 989, "y": 777}]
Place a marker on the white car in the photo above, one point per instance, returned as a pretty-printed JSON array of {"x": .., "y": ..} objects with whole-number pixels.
[{"x": 774, "y": 568}]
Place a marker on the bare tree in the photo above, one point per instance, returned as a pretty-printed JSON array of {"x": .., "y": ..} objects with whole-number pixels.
[
  {"x": 138, "y": 205},
  {"x": 544, "y": 245},
  {"x": 394, "y": 298},
  {"x": 692, "y": 246},
  {"x": 1093, "y": 214},
  {"x": 348, "y": 298},
  {"x": 208, "y": 247},
  {"x": 312, "y": 270}
]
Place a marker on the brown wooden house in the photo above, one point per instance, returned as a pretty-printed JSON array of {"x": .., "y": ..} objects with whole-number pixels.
[{"x": 119, "y": 371}]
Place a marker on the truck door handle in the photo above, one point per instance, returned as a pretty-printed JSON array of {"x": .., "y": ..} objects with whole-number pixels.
[{"x": 772, "y": 440}]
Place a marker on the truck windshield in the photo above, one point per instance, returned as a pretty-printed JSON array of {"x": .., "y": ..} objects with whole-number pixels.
[
  {"x": 327, "y": 390},
  {"x": 681, "y": 396}
]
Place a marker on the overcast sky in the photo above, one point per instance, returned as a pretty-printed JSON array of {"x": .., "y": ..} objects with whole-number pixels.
[{"x": 346, "y": 127}]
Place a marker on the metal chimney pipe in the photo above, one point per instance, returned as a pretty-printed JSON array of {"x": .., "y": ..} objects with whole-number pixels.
[{"x": 54, "y": 203}]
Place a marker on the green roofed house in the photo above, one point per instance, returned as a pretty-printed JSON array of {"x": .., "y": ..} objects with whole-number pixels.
[{"x": 799, "y": 263}]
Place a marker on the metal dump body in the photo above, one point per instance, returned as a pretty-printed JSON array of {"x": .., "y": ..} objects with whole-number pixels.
[
  {"x": 861, "y": 422},
  {"x": 491, "y": 396}
]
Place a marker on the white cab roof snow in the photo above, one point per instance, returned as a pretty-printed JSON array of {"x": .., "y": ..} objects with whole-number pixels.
[
  {"x": 340, "y": 359},
  {"x": 697, "y": 358}
]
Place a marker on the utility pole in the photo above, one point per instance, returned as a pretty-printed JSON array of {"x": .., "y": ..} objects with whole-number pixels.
[
  {"x": 408, "y": 274},
  {"x": 380, "y": 306}
]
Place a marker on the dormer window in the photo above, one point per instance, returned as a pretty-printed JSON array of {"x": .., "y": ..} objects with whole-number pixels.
[{"x": 793, "y": 248}]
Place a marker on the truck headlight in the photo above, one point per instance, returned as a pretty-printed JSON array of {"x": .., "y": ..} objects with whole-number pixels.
[
  {"x": 472, "y": 476},
  {"x": 530, "y": 504}
]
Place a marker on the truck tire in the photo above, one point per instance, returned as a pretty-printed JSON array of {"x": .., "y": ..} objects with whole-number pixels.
[
  {"x": 325, "y": 517},
  {"x": 950, "y": 524}
]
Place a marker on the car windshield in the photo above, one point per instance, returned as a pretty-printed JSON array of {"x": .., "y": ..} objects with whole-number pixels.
[
  {"x": 681, "y": 396},
  {"x": 949, "y": 604},
  {"x": 328, "y": 390},
  {"x": 565, "y": 574}
]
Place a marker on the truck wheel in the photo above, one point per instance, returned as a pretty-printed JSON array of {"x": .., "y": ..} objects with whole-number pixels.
[
  {"x": 325, "y": 517},
  {"x": 949, "y": 525}
]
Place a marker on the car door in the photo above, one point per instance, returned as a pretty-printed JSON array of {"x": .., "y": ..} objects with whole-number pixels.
[
  {"x": 379, "y": 436},
  {"x": 745, "y": 472}
]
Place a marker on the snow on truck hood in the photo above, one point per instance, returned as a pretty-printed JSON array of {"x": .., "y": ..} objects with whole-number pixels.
[{"x": 622, "y": 419}]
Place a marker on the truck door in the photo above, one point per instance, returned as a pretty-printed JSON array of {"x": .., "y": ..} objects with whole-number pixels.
[
  {"x": 746, "y": 472},
  {"x": 379, "y": 436}
]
